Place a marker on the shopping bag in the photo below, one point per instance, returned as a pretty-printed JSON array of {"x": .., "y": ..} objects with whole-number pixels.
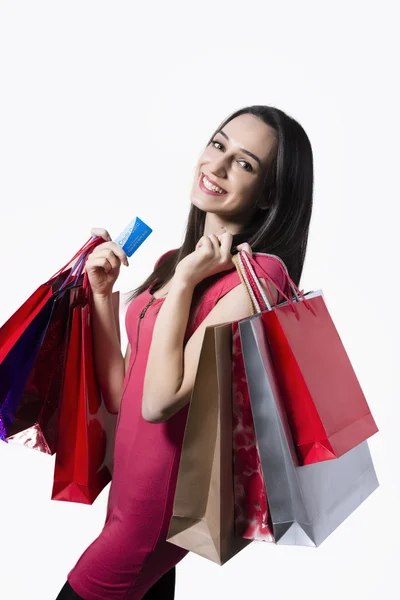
[
  {"x": 15, "y": 326},
  {"x": 34, "y": 424},
  {"x": 203, "y": 511},
  {"x": 307, "y": 503},
  {"x": 252, "y": 519},
  {"x": 25, "y": 338},
  {"x": 19, "y": 361},
  {"x": 251, "y": 506},
  {"x": 326, "y": 408},
  {"x": 12, "y": 330},
  {"x": 85, "y": 427},
  {"x": 17, "y": 365}
]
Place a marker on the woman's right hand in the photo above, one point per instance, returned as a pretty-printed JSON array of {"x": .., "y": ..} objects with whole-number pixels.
[{"x": 103, "y": 264}]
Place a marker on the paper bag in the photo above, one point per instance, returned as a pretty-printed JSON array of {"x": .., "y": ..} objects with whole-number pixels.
[
  {"x": 203, "y": 512},
  {"x": 307, "y": 503}
]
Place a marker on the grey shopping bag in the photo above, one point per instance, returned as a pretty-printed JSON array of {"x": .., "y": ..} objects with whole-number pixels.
[{"x": 307, "y": 503}]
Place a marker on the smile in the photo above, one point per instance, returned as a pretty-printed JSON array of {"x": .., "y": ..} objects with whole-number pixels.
[{"x": 208, "y": 187}]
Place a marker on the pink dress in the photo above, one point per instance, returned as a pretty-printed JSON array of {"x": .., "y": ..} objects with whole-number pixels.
[{"x": 131, "y": 553}]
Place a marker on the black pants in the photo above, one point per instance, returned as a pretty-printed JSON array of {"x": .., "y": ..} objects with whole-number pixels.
[{"x": 163, "y": 589}]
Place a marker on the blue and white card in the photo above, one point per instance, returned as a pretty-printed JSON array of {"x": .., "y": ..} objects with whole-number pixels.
[{"x": 133, "y": 236}]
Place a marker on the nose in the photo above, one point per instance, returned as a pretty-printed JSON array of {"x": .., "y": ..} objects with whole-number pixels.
[{"x": 218, "y": 167}]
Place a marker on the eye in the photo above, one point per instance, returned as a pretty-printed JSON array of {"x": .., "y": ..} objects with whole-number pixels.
[
  {"x": 217, "y": 142},
  {"x": 248, "y": 166}
]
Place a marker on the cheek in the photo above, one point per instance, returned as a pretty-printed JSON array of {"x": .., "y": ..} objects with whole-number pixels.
[
  {"x": 243, "y": 191},
  {"x": 206, "y": 157},
  {"x": 242, "y": 198}
]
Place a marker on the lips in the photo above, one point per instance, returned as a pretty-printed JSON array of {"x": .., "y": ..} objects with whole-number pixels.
[{"x": 213, "y": 193}]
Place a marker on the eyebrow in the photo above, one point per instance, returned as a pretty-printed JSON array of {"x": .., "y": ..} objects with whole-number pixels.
[{"x": 242, "y": 149}]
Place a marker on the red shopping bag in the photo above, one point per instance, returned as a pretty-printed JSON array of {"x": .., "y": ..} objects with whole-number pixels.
[
  {"x": 326, "y": 408},
  {"x": 252, "y": 520},
  {"x": 35, "y": 421},
  {"x": 32, "y": 369},
  {"x": 15, "y": 326},
  {"x": 85, "y": 426},
  {"x": 12, "y": 329}
]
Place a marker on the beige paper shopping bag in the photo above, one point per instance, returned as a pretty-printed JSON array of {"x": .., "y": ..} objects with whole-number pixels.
[{"x": 203, "y": 513}]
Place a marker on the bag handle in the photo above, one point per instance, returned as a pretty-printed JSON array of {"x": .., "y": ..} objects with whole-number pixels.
[
  {"x": 82, "y": 255},
  {"x": 72, "y": 259},
  {"x": 247, "y": 274},
  {"x": 97, "y": 240},
  {"x": 246, "y": 285},
  {"x": 258, "y": 299},
  {"x": 282, "y": 267}
]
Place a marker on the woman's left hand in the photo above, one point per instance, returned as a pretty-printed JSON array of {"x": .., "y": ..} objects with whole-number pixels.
[{"x": 212, "y": 255}]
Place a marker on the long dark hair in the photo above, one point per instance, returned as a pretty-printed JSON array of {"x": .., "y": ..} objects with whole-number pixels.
[{"x": 281, "y": 226}]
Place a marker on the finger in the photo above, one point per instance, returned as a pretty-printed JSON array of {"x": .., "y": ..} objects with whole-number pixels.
[
  {"x": 226, "y": 244},
  {"x": 111, "y": 257},
  {"x": 100, "y": 232},
  {"x": 116, "y": 248},
  {"x": 215, "y": 242},
  {"x": 217, "y": 233},
  {"x": 107, "y": 247},
  {"x": 245, "y": 246},
  {"x": 99, "y": 262},
  {"x": 204, "y": 241}
]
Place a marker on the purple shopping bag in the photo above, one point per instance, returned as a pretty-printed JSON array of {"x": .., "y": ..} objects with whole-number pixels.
[
  {"x": 15, "y": 368},
  {"x": 18, "y": 361},
  {"x": 34, "y": 411}
]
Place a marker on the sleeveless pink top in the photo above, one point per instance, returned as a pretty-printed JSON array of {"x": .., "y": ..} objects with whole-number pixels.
[{"x": 131, "y": 552}]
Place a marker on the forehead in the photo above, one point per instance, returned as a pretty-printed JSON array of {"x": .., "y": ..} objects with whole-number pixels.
[{"x": 250, "y": 133}]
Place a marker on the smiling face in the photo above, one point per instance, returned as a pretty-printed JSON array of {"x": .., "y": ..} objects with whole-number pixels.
[{"x": 236, "y": 162}]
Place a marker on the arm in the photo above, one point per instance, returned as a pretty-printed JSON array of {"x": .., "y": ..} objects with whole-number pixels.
[
  {"x": 127, "y": 356},
  {"x": 171, "y": 369},
  {"x": 108, "y": 359}
]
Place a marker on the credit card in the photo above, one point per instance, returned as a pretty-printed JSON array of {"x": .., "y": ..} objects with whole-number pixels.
[{"x": 133, "y": 236}]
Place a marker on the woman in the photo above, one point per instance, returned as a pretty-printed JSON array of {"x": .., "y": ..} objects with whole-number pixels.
[{"x": 252, "y": 190}]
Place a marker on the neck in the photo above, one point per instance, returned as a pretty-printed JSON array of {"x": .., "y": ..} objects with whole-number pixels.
[{"x": 214, "y": 222}]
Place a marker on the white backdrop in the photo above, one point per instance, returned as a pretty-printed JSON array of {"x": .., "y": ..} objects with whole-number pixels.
[{"x": 105, "y": 108}]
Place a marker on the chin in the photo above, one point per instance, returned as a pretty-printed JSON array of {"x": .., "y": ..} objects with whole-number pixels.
[{"x": 203, "y": 203}]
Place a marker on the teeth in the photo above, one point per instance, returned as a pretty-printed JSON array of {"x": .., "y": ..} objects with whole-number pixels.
[{"x": 211, "y": 187}]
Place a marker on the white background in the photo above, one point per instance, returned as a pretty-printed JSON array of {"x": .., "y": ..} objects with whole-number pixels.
[{"x": 105, "y": 108}]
